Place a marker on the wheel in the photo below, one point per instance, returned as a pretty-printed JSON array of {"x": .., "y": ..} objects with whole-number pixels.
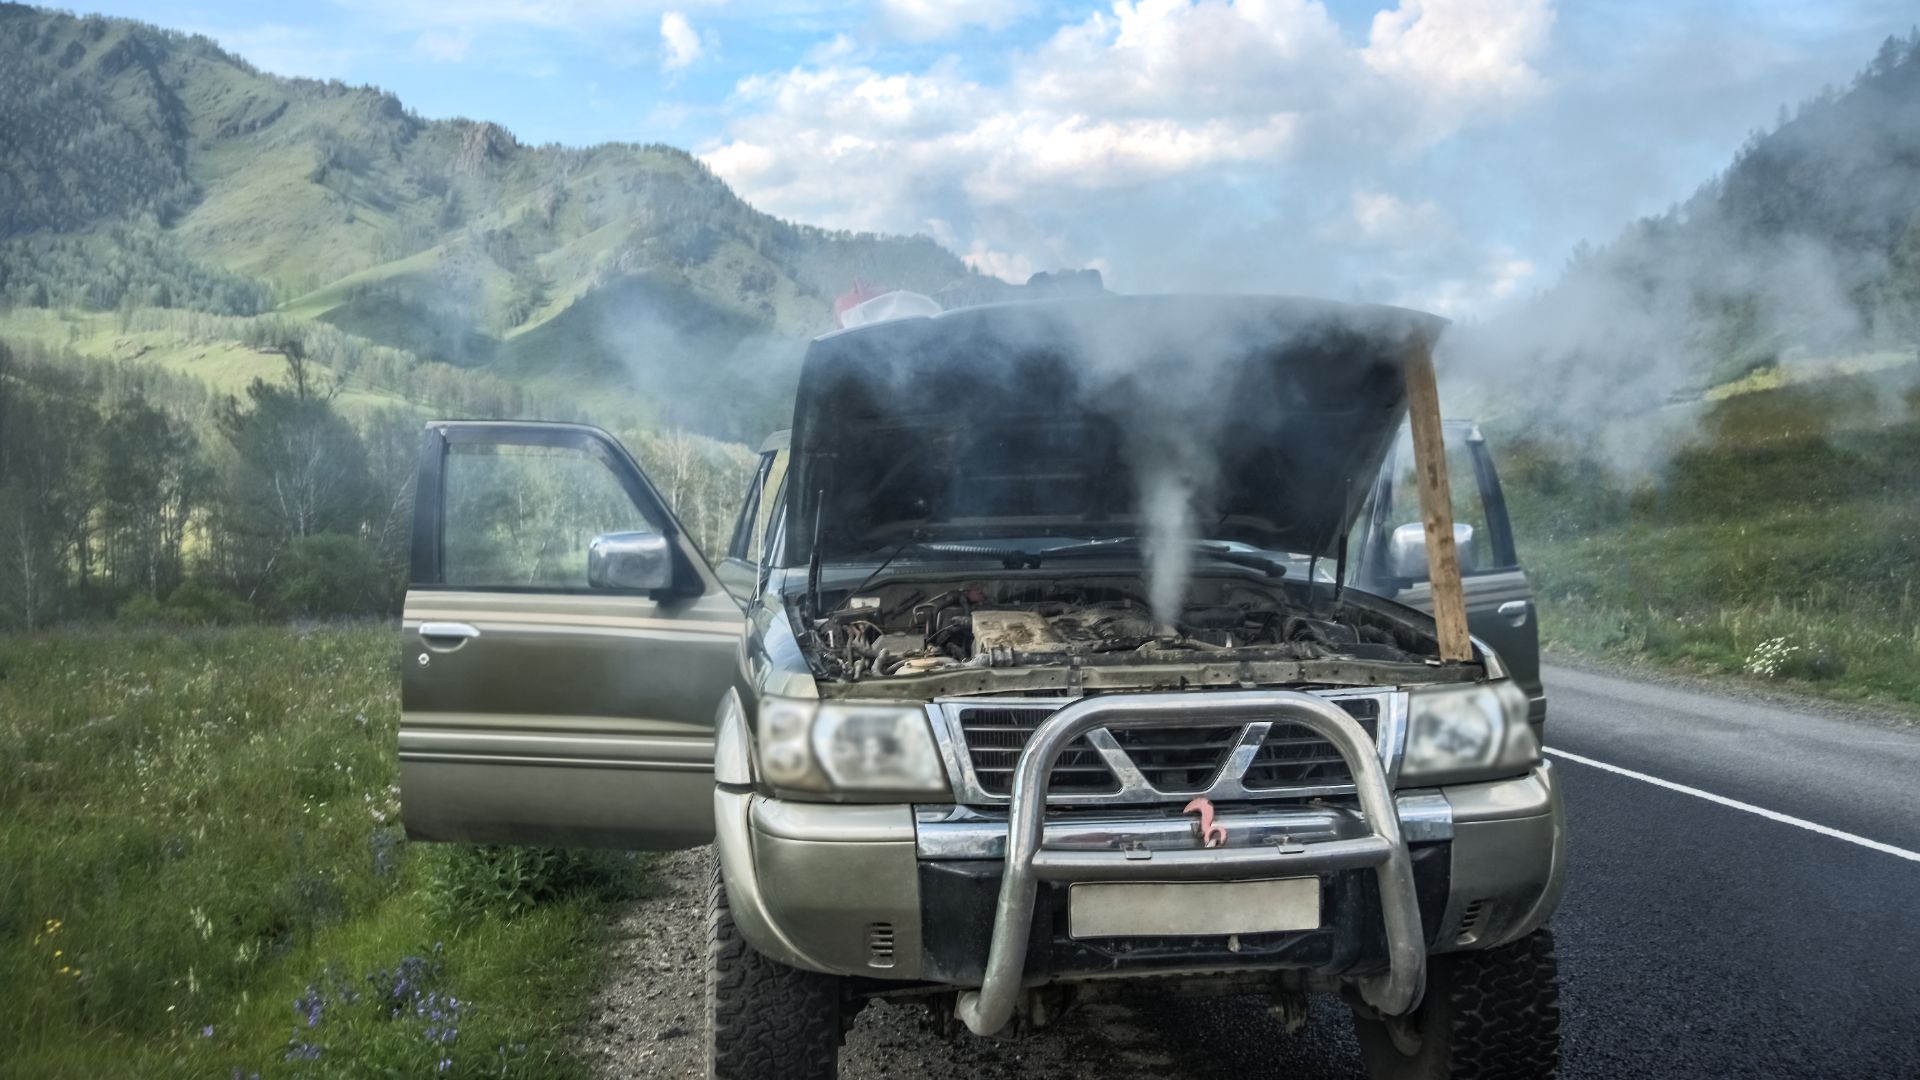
[
  {"x": 765, "y": 1020},
  {"x": 1487, "y": 1015}
]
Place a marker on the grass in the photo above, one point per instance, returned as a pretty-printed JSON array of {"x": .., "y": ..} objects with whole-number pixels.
[
  {"x": 199, "y": 855},
  {"x": 1782, "y": 544},
  {"x": 226, "y": 367}
]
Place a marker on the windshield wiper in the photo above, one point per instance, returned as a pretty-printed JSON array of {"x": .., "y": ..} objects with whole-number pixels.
[
  {"x": 910, "y": 544},
  {"x": 1129, "y": 545}
]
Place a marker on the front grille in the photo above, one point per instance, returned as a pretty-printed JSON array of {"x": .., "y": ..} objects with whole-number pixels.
[
  {"x": 1293, "y": 756},
  {"x": 1175, "y": 761},
  {"x": 1178, "y": 760},
  {"x": 995, "y": 737}
]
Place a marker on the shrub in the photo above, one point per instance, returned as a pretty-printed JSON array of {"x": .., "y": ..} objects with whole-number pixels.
[
  {"x": 330, "y": 574},
  {"x": 469, "y": 882},
  {"x": 192, "y": 603}
]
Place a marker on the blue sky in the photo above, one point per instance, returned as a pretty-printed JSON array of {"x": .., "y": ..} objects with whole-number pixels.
[{"x": 1442, "y": 153}]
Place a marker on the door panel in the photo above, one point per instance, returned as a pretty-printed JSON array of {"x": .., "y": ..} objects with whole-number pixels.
[
  {"x": 1500, "y": 600},
  {"x": 537, "y": 708}
]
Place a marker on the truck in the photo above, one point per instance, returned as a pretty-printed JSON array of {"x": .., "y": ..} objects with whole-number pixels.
[{"x": 1113, "y": 645}]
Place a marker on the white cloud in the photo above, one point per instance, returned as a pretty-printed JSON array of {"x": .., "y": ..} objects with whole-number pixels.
[
  {"x": 838, "y": 47},
  {"x": 931, "y": 20},
  {"x": 1258, "y": 95},
  {"x": 1459, "y": 56},
  {"x": 679, "y": 43},
  {"x": 1380, "y": 216},
  {"x": 1462, "y": 290},
  {"x": 1477, "y": 47},
  {"x": 449, "y": 44}
]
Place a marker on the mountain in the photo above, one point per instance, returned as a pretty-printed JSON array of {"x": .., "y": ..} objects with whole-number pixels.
[
  {"x": 1802, "y": 256},
  {"x": 141, "y": 167}
]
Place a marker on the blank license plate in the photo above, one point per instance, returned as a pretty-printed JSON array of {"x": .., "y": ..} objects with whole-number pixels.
[{"x": 1187, "y": 908}]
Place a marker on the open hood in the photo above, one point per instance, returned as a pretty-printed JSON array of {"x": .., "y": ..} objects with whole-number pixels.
[{"x": 1266, "y": 416}]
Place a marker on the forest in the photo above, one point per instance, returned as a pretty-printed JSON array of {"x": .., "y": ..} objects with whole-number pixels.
[{"x": 132, "y": 493}]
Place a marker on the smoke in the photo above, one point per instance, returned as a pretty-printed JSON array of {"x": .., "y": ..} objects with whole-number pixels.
[
  {"x": 705, "y": 367},
  {"x": 1170, "y": 419},
  {"x": 1220, "y": 410},
  {"x": 1617, "y": 357},
  {"x": 1174, "y": 454},
  {"x": 1167, "y": 502},
  {"x": 1799, "y": 257}
]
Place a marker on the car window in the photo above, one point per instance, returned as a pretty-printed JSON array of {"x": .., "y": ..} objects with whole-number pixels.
[
  {"x": 743, "y": 540},
  {"x": 523, "y": 516},
  {"x": 750, "y": 529},
  {"x": 769, "y": 499}
]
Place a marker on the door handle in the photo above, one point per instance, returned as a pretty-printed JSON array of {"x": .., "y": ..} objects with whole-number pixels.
[
  {"x": 1516, "y": 611},
  {"x": 447, "y": 636}
]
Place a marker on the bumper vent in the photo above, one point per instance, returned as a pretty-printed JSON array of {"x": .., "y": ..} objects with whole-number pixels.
[
  {"x": 1173, "y": 761},
  {"x": 1472, "y": 922},
  {"x": 880, "y": 945}
]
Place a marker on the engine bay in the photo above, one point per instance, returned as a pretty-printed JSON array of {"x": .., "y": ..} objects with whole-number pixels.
[{"x": 919, "y": 627}]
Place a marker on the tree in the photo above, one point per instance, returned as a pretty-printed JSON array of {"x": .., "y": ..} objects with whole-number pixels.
[
  {"x": 392, "y": 438},
  {"x": 47, "y": 493},
  {"x": 298, "y": 468},
  {"x": 148, "y": 488}
]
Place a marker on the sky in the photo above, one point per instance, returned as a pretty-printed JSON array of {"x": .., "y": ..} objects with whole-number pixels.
[{"x": 1444, "y": 154}]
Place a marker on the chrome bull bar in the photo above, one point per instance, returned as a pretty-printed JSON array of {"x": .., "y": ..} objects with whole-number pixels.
[{"x": 1395, "y": 993}]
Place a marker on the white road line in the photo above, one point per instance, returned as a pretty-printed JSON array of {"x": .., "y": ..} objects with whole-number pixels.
[{"x": 1771, "y": 815}]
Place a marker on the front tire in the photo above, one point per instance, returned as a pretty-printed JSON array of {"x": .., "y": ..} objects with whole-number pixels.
[
  {"x": 765, "y": 1020},
  {"x": 1487, "y": 1015}
]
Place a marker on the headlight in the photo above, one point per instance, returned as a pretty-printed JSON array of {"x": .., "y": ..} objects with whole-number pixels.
[
  {"x": 1457, "y": 734},
  {"x": 849, "y": 747}
]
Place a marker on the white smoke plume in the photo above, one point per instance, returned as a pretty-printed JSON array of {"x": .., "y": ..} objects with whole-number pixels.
[{"x": 1799, "y": 257}]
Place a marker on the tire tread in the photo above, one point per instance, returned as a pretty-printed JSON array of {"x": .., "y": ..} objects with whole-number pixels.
[
  {"x": 1505, "y": 1019},
  {"x": 1492, "y": 1014},
  {"x": 766, "y": 1021}
]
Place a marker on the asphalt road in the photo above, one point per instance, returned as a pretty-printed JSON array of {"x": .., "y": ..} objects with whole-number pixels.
[{"x": 1697, "y": 939}]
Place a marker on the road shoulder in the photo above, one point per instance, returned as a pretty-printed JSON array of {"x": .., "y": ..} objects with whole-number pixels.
[{"x": 1786, "y": 696}]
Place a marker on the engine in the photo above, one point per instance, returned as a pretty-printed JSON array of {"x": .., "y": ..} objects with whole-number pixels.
[{"x": 908, "y": 629}]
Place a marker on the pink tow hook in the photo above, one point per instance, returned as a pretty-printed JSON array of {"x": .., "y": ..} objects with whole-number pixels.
[{"x": 1212, "y": 833}]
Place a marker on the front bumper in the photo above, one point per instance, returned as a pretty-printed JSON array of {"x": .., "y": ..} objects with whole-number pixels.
[{"x": 896, "y": 892}]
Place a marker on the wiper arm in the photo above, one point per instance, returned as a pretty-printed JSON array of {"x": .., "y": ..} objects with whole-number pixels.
[
  {"x": 1129, "y": 545},
  {"x": 1123, "y": 545},
  {"x": 1267, "y": 564}
]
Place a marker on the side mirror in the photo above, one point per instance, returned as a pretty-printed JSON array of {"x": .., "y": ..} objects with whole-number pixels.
[
  {"x": 1407, "y": 550},
  {"x": 629, "y": 560}
]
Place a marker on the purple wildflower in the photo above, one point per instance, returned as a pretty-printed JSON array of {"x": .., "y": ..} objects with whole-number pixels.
[{"x": 312, "y": 1006}]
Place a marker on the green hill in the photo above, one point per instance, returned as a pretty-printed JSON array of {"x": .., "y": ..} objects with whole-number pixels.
[
  {"x": 1804, "y": 252},
  {"x": 1715, "y": 460},
  {"x": 140, "y": 167}
]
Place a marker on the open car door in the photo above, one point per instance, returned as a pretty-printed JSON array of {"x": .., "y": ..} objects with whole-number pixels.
[
  {"x": 566, "y": 647},
  {"x": 1392, "y": 559}
]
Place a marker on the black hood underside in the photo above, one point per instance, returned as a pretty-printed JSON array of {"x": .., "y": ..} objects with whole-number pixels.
[{"x": 1070, "y": 418}]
